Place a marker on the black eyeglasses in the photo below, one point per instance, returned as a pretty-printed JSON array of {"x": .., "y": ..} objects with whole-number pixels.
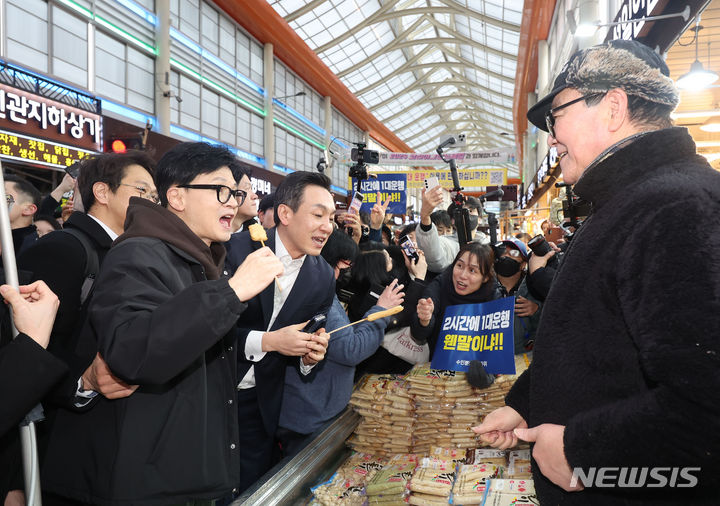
[
  {"x": 550, "y": 118},
  {"x": 144, "y": 193},
  {"x": 224, "y": 193}
]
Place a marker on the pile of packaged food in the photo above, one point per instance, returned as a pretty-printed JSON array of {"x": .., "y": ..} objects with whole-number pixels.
[
  {"x": 424, "y": 408},
  {"x": 480, "y": 476}
]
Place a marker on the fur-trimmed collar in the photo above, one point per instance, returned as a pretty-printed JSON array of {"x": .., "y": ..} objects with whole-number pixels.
[{"x": 632, "y": 163}]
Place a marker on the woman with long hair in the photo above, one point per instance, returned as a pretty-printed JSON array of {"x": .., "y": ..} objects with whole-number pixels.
[{"x": 470, "y": 279}]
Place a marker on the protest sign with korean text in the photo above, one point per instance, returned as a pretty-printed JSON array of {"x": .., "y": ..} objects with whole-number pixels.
[
  {"x": 390, "y": 185},
  {"x": 482, "y": 332}
]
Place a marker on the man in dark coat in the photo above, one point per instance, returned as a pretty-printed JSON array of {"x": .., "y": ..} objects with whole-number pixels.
[
  {"x": 621, "y": 397},
  {"x": 270, "y": 330},
  {"x": 105, "y": 182},
  {"x": 164, "y": 314}
]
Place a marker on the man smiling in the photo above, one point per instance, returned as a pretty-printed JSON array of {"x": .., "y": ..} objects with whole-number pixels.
[
  {"x": 270, "y": 336},
  {"x": 625, "y": 372},
  {"x": 164, "y": 316}
]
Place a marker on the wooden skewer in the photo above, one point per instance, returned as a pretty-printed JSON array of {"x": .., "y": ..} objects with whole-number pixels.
[
  {"x": 277, "y": 283},
  {"x": 373, "y": 317}
]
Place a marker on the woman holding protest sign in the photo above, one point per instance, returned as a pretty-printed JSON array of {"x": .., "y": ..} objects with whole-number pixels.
[{"x": 470, "y": 279}]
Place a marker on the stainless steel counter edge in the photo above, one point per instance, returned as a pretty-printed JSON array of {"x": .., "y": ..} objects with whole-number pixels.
[{"x": 291, "y": 483}]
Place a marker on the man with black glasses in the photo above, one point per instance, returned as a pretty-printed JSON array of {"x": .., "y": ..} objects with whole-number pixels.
[
  {"x": 164, "y": 315},
  {"x": 621, "y": 396},
  {"x": 69, "y": 260}
]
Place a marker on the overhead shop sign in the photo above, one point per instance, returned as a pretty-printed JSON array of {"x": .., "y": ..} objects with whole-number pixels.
[
  {"x": 632, "y": 10},
  {"x": 549, "y": 164},
  {"x": 19, "y": 147},
  {"x": 34, "y": 116},
  {"x": 500, "y": 155}
]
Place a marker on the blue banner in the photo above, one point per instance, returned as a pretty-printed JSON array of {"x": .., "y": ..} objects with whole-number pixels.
[
  {"x": 481, "y": 332},
  {"x": 393, "y": 186}
]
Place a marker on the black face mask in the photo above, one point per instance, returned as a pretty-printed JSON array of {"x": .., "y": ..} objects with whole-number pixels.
[
  {"x": 506, "y": 267},
  {"x": 343, "y": 279}
]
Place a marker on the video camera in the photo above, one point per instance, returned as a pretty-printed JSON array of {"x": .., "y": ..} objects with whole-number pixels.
[
  {"x": 361, "y": 156},
  {"x": 574, "y": 209}
]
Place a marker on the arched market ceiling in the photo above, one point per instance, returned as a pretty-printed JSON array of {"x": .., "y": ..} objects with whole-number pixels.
[{"x": 423, "y": 67}]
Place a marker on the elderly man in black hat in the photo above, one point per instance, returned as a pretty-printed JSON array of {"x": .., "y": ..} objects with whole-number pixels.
[{"x": 620, "y": 401}]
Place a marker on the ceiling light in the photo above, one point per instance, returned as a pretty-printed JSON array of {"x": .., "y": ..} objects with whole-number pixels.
[
  {"x": 698, "y": 78},
  {"x": 711, "y": 125}
]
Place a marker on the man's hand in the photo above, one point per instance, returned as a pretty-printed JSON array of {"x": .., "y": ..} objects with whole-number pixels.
[
  {"x": 377, "y": 214},
  {"x": 430, "y": 200},
  {"x": 425, "y": 309},
  {"x": 419, "y": 269},
  {"x": 255, "y": 273},
  {"x": 67, "y": 184},
  {"x": 352, "y": 221},
  {"x": 392, "y": 295},
  {"x": 549, "y": 453},
  {"x": 33, "y": 309},
  {"x": 317, "y": 347},
  {"x": 15, "y": 498},
  {"x": 99, "y": 377},
  {"x": 288, "y": 341},
  {"x": 68, "y": 209},
  {"x": 497, "y": 428},
  {"x": 537, "y": 262},
  {"x": 525, "y": 307}
]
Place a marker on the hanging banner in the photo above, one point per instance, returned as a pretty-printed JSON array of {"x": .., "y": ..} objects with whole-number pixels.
[
  {"x": 499, "y": 155},
  {"x": 481, "y": 332},
  {"x": 392, "y": 185},
  {"x": 470, "y": 179}
]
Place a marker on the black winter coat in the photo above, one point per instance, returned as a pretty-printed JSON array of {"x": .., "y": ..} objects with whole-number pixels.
[
  {"x": 627, "y": 353},
  {"x": 59, "y": 259},
  {"x": 159, "y": 325}
]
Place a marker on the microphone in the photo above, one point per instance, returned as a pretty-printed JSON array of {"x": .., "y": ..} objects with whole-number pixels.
[
  {"x": 448, "y": 142},
  {"x": 497, "y": 193},
  {"x": 562, "y": 185},
  {"x": 477, "y": 376}
]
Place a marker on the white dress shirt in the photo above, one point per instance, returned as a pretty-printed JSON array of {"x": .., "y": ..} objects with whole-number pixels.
[
  {"x": 83, "y": 397},
  {"x": 253, "y": 343}
]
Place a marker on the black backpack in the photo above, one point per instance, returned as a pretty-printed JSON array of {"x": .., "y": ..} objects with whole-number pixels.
[{"x": 92, "y": 263}]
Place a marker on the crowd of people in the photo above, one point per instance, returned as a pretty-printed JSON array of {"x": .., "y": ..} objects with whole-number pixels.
[
  {"x": 168, "y": 342},
  {"x": 181, "y": 336}
]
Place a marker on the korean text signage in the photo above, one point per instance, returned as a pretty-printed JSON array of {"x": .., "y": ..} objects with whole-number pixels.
[
  {"x": 261, "y": 186},
  {"x": 632, "y": 10},
  {"x": 549, "y": 162},
  {"x": 37, "y": 151},
  {"x": 469, "y": 178},
  {"x": 481, "y": 332},
  {"x": 499, "y": 155},
  {"x": 391, "y": 185},
  {"x": 36, "y": 116}
]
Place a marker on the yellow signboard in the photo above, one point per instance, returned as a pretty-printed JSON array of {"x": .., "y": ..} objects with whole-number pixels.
[
  {"x": 469, "y": 178},
  {"x": 39, "y": 151}
]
